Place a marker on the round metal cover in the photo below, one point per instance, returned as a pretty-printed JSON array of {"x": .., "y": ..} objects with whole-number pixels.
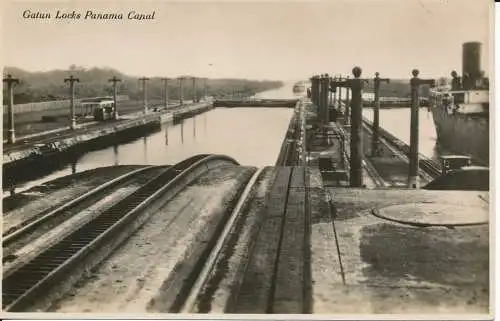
[{"x": 426, "y": 214}]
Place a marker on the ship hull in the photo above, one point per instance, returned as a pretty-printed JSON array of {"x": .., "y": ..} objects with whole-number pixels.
[{"x": 463, "y": 134}]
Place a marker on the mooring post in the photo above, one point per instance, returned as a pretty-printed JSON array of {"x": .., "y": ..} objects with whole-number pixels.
[
  {"x": 415, "y": 82},
  {"x": 340, "y": 95},
  {"x": 181, "y": 91},
  {"x": 326, "y": 85},
  {"x": 72, "y": 81},
  {"x": 318, "y": 92},
  {"x": 11, "y": 139},
  {"x": 356, "y": 143},
  {"x": 356, "y": 129},
  {"x": 334, "y": 93},
  {"x": 115, "y": 80},
  {"x": 165, "y": 88},
  {"x": 314, "y": 90},
  {"x": 347, "y": 110},
  {"x": 331, "y": 95},
  {"x": 311, "y": 90},
  {"x": 376, "y": 113},
  {"x": 194, "y": 90},
  {"x": 320, "y": 99},
  {"x": 145, "y": 93}
]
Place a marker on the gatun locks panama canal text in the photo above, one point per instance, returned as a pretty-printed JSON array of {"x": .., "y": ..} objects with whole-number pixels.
[{"x": 89, "y": 15}]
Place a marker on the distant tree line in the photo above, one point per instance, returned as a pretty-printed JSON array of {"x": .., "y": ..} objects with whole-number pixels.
[
  {"x": 49, "y": 85},
  {"x": 397, "y": 88}
]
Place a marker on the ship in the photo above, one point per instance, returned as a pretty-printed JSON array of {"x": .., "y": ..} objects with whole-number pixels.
[
  {"x": 299, "y": 88},
  {"x": 461, "y": 110}
]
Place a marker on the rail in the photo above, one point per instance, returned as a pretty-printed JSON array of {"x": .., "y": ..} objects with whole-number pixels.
[
  {"x": 209, "y": 264},
  {"x": 376, "y": 178},
  {"x": 21, "y": 235},
  {"x": 427, "y": 165},
  {"x": 33, "y": 279},
  {"x": 11, "y": 236}
]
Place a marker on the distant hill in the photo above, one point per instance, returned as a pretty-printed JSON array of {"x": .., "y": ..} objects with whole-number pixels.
[{"x": 49, "y": 85}]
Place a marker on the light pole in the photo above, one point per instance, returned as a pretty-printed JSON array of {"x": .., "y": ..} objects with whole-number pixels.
[
  {"x": 115, "y": 80},
  {"x": 10, "y": 91},
  {"x": 72, "y": 81},
  {"x": 181, "y": 91}
]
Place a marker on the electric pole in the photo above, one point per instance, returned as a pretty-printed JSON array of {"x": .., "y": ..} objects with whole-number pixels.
[
  {"x": 72, "y": 81},
  {"x": 10, "y": 90},
  {"x": 115, "y": 80}
]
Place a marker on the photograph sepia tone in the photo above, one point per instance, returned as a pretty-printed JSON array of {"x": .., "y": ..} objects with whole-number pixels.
[{"x": 318, "y": 158}]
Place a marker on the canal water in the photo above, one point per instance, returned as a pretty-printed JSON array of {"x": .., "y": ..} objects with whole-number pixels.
[
  {"x": 252, "y": 136},
  {"x": 397, "y": 122}
]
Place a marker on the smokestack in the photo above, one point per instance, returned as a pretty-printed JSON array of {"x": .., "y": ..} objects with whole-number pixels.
[{"x": 471, "y": 64}]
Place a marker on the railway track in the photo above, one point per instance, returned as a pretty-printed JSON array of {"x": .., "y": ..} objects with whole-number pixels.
[
  {"x": 21, "y": 235},
  {"x": 26, "y": 284},
  {"x": 375, "y": 177},
  {"x": 188, "y": 299},
  {"x": 200, "y": 290},
  {"x": 429, "y": 167},
  {"x": 9, "y": 203}
]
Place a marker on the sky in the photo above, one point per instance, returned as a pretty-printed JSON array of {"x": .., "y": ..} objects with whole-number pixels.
[{"x": 282, "y": 40}]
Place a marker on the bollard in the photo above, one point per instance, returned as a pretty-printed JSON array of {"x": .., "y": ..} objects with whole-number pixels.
[
  {"x": 347, "y": 110},
  {"x": 340, "y": 95},
  {"x": 356, "y": 143},
  {"x": 376, "y": 114},
  {"x": 415, "y": 82},
  {"x": 115, "y": 80},
  {"x": 181, "y": 91},
  {"x": 318, "y": 91},
  {"x": 331, "y": 102},
  {"x": 314, "y": 90},
  {"x": 334, "y": 93},
  {"x": 194, "y": 90},
  {"x": 320, "y": 99},
  {"x": 326, "y": 85},
  {"x": 145, "y": 93},
  {"x": 11, "y": 139},
  {"x": 165, "y": 82},
  {"x": 72, "y": 81}
]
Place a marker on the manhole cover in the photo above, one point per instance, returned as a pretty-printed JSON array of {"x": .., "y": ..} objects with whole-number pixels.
[{"x": 433, "y": 214}]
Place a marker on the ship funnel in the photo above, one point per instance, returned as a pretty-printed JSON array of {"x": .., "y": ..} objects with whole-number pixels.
[{"x": 471, "y": 64}]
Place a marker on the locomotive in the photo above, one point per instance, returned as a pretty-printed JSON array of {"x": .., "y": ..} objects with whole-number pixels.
[{"x": 102, "y": 108}]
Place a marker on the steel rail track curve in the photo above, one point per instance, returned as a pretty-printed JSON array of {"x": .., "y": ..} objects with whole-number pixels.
[
  {"x": 428, "y": 167},
  {"x": 23, "y": 286},
  {"x": 200, "y": 281},
  {"x": 12, "y": 236}
]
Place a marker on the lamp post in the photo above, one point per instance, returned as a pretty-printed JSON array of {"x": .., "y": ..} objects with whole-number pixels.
[{"x": 10, "y": 90}]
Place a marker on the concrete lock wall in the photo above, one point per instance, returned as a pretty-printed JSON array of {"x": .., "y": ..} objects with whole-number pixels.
[{"x": 50, "y": 105}]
